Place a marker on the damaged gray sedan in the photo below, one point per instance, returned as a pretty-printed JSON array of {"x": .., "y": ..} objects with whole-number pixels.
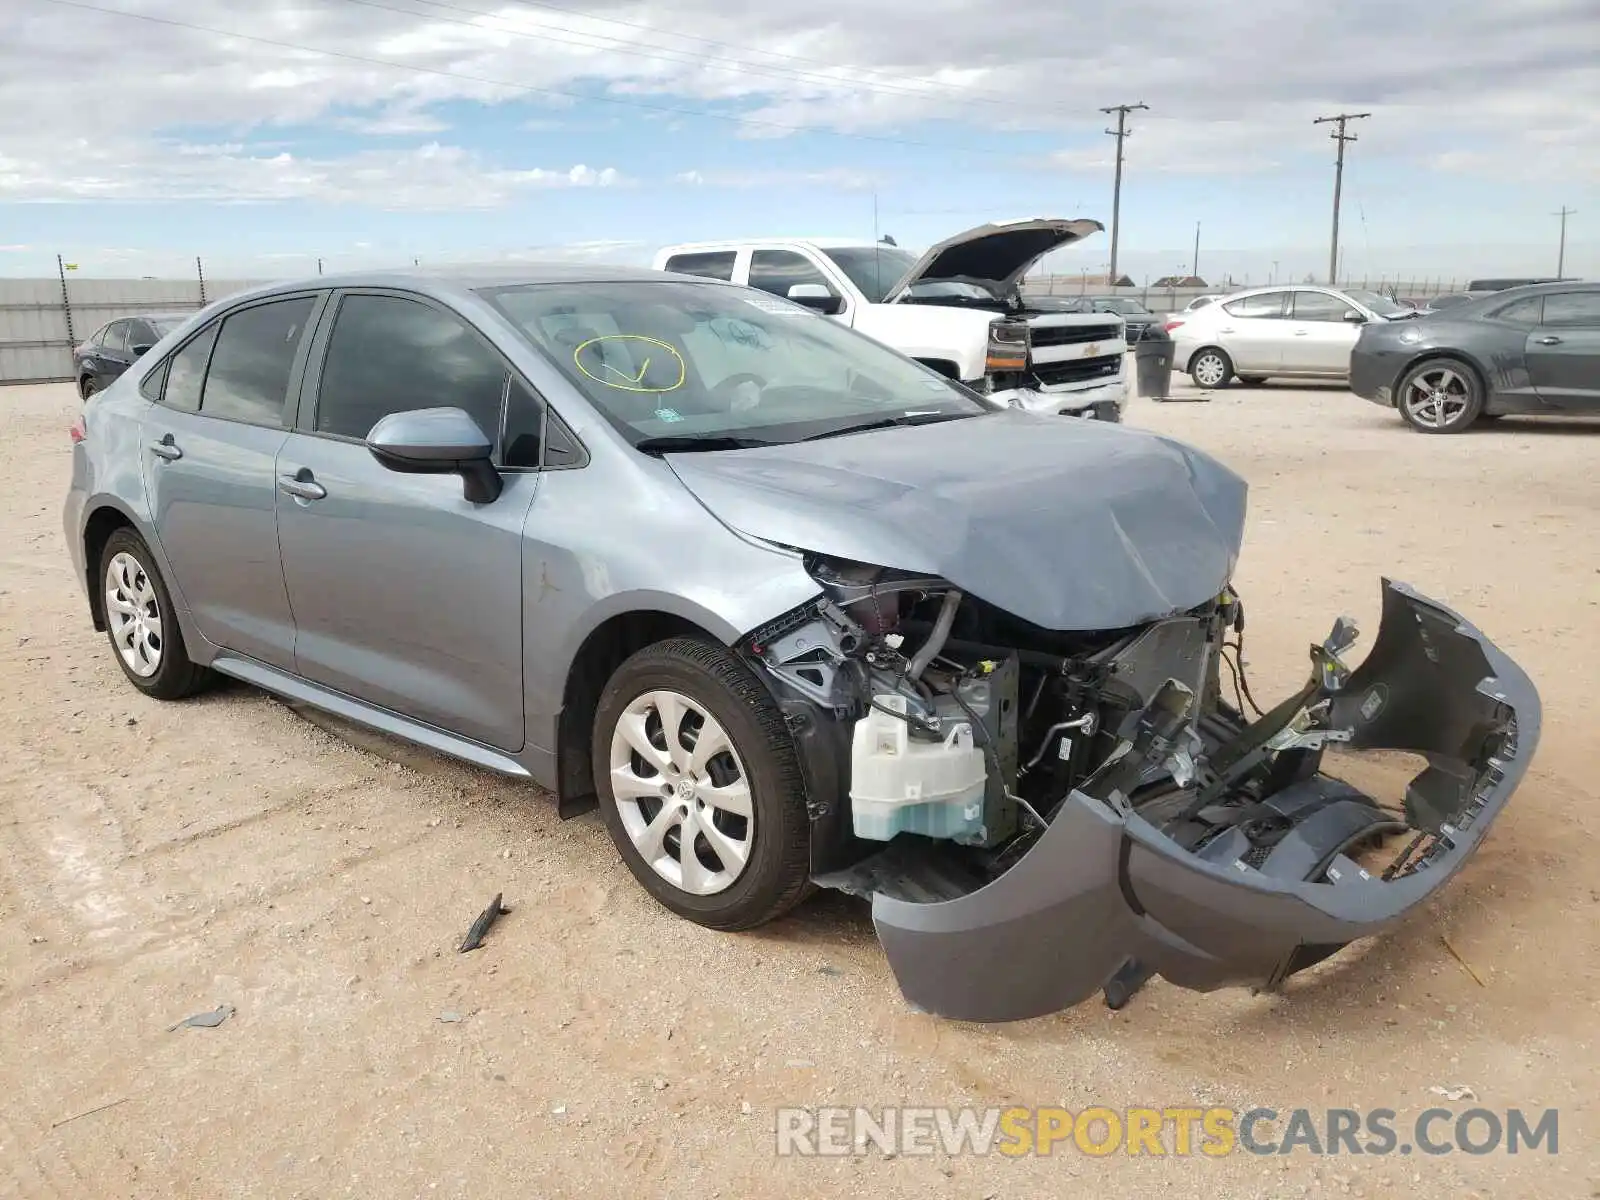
[{"x": 794, "y": 611}]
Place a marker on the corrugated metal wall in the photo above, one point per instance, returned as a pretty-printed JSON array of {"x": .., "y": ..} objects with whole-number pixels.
[{"x": 38, "y": 327}]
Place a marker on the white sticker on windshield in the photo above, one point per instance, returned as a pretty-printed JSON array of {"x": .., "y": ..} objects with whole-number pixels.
[{"x": 774, "y": 305}]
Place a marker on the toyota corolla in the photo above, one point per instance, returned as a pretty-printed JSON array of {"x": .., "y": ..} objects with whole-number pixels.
[{"x": 793, "y": 611}]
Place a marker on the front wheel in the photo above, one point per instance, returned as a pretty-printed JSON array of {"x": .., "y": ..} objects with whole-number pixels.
[
  {"x": 700, "y": 786},
  {"x": 1442, "y": 395},
  {"x": 1211, "y": 368}
]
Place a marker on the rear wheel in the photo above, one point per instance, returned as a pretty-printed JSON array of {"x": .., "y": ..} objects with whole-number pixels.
[
  {"x": 142, "y": 624},
  {"x": 1252, "y": 380},
  {"x": 1442, "y": 395},
  {"x": 1211, "y": 368},
  {"x": 700, "y": 786},
  {"x": 88, "y": 386}
]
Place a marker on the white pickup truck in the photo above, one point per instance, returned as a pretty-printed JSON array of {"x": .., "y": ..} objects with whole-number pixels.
[{"x": 958, "y": 308}]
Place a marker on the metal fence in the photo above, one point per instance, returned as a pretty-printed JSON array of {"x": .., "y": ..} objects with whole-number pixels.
[
  {"x": 1170, "y": 299},
  {"x": 41, "y": 320}
]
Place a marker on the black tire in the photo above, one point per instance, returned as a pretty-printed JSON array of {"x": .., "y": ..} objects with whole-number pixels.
[
  {"x": 176, "y": 675},
  {"x": 87, "y": 386},
  {"x": 1252, "y": 380},
  {"x": 1440, "y": 395},
  {"x": 777, "y": 868},
  {"x": 1201, "y": 364}
]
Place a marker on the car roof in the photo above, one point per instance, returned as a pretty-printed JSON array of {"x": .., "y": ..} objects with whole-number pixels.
[
  {"x": 458, "y": 280},
  {"x": 790, "y": 240}
]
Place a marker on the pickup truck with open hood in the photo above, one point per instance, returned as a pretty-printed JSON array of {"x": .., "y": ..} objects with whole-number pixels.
[{"x": 957, "y": 308}]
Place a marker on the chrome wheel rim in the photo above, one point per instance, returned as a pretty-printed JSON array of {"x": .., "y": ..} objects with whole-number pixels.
[
  {"x": 1436, "y": 397},
  {"x": 134, "y": 615},
  {"x": 1208, "y": 370},
  {"x": 682, "y": 792}
]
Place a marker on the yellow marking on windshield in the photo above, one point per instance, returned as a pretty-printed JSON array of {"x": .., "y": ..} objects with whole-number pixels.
[{"x": 635, "y": 383}]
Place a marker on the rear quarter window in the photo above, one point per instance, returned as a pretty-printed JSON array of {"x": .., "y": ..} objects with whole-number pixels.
[{"x": 714, "y": 264}]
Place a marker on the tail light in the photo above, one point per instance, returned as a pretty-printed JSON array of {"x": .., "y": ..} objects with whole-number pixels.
[
  {"x": 1008, "y": 347},
  {"x": 1171, "y": 325},
  {"x": 78, "y": 432}
]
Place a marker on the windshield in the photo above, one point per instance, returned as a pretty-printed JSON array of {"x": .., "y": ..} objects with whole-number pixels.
[
  {"x": 1128, "y": 308},
  {"x": 1381, "y": 305},
  {"x": 706, "y": 361},
  {"x": 873, "y": 269}
]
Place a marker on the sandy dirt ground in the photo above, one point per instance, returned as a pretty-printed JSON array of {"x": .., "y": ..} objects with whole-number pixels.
[{"x": 159, "y": 860}]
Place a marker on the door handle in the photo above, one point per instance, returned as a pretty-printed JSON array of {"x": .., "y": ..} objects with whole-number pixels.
[
  {"x": 1549, "y": 341},
  {"x": 166, "y": 448},
  {"x": 1225, "y": 330},
  {"x": 1301, "y": 332},
  {"x": 301, "y": 485}
]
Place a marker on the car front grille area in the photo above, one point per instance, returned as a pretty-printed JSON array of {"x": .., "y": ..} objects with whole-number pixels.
[
  {"x": 1072, "y": 335},
  {"x": 1077, "y": 370}
]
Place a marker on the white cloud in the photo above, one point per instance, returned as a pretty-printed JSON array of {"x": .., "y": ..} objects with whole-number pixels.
[
  {"x": 839, "y": 178},
  {"x": 1232, "y": 84}
]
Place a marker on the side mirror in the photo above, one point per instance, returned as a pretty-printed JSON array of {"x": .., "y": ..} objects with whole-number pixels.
[
  {"x": 438, "y": 441},
  {"x": 140, "y": 351},
  {"x": 817, "y": 297},
  {"x": 1354, "y": 317}
]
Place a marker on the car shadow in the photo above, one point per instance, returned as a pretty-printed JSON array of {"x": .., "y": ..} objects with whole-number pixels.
[{"x": 1551, "y": 426}]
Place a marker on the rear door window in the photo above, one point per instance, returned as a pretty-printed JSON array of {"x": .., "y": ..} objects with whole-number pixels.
[
  {"x": 1525, "y": 312},
  {"x": 254, "y": 357},
  {"x": 116, "y": 337},
  {"x": 1267, "y": 305},
  {"x": 187, "y": 373},
  {"x": 712, "y": 264}
]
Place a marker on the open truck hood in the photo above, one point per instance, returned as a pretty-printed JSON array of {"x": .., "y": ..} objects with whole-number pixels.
[
  {"x": 1069, "y": 525},
  {"x": 995, "y": 255}
]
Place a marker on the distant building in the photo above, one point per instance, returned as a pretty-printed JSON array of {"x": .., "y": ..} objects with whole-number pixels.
[{"x": 1180, "y": 281}]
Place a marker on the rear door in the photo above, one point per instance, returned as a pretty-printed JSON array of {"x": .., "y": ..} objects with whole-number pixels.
[
  {"x": 406, "y": 594},
  {"x": 1322, "y": 330},
  {"x": 210, "y": 445},
  {"x": 1563, "y": 351},
  {"x": 1252, "y": 330},
  {"x": 111, "y": 355}
]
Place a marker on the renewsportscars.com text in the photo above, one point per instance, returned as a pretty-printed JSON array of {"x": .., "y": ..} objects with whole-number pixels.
[{"x": 1176, "y": 1131}]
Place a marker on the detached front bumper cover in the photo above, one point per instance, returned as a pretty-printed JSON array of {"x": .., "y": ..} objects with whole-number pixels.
[{"x": 1103, "y": 890}]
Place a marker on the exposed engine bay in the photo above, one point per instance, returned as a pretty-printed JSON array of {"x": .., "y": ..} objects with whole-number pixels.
[{"x": 1002, "y": 791}]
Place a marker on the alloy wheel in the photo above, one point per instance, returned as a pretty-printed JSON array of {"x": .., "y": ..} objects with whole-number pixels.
[
  {"x": 682, "y": 792},
  {"x": 1437, "y": 397},
  {"x": 134, "y": 615}
]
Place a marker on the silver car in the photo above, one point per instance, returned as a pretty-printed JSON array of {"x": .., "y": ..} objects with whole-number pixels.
[
  {"x": 1293, "y": 332},
  {"x": 794, "y": 611}
]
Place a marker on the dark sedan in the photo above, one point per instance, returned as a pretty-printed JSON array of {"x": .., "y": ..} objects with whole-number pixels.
[
  {"x": 111, "y": 349},
  {"x": 1528, "y": 350}
]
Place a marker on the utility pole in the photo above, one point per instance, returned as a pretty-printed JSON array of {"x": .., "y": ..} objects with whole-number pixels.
[
  {"x": 1341, "y": 137},
  {"x": 1561, "y": 256},
  {"x": 1195, "y": 266},
  {"x": 1120, "y": 133}
]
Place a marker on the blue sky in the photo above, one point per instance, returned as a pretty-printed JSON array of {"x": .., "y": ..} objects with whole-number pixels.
[{"x": 371, "y": 132}]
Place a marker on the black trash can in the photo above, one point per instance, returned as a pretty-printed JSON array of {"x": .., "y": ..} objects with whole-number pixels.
[{"x": 1153, "y": 362}]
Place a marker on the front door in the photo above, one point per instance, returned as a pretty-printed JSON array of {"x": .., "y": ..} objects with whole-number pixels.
[
  {"x": 209, "y": 446},
  {"x": 1563, "y": 351},
  {"x": 405, "y": 594},
  {"x": 777, "y": 271},
  {"x": 1322, "y": 331}
]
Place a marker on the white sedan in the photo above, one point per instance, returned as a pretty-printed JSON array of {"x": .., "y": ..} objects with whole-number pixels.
[{"x": 1302, "y": 331}]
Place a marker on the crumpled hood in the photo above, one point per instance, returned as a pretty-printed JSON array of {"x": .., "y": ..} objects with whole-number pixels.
[
  {"x": 1068, "y": 524},
  {"x": 996, "y": 255}
]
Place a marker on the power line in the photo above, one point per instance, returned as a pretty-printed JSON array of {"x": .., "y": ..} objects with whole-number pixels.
[
  {"x": 1121, "y": 133},
  {"x": 1340, "y": 136},
  {"x": 1561, "y": 256},
  {"x": 439, "y": 72}
]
